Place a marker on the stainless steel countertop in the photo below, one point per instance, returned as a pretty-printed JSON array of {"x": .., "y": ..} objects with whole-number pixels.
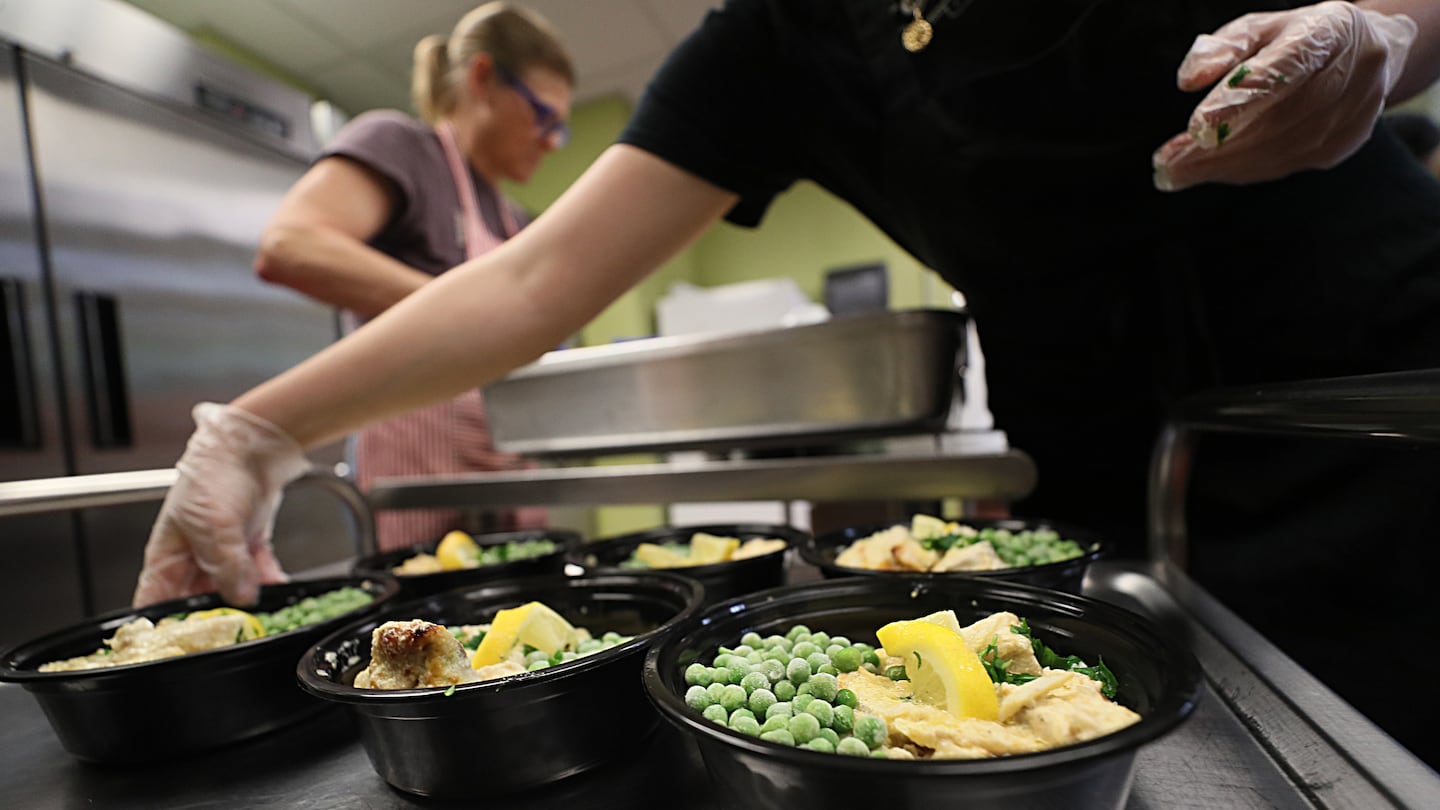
[{"x": 1265, "y": 735}]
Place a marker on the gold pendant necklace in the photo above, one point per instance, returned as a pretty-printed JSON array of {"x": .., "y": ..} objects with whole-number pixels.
[{"x": 918, "y": 32}]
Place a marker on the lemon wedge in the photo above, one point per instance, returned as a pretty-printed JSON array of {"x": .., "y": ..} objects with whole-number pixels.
[
  {"x": 707, "y": 548},
  {"x": 532, "y": 623},
  {"x": 944, "y": 671},
  {"x": 660, "y": 557},
  {"x": 252, "y": 628},
  {"x": 457, "y": 550},
  {"x": 923, "y": 527}
]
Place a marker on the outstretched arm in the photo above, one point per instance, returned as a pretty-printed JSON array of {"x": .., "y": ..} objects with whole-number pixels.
[{"x": 627, "y": 214}]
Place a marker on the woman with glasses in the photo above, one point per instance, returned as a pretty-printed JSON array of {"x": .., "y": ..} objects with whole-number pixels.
[
  {"x": 393, "y": 202},
  {"x": 1141, "y": 200}
]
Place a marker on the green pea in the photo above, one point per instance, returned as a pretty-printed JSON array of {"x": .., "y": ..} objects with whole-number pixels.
[
  {"x": 821, "y": 639},
  {"x": 776, "y": 654},
  {"x": 841, "y": 640},
  {"x": 879, "y": 753},
  {"x": 722, "y": 661},
  {"x": 805, "y": 689},
  {"x": 801, "y": 701},
  {"x": 716, "y": 713},
  {"x": 782, "y": 736},
  {"x": 754, "y": 658},
  {"x": 698, "y": 675},
  {"x": 775, "y": 724},
  {"x": 743, "y": 650},
  {"x": 896, "y": 673},
  {"x": 804, "y": 649},
  {"x": 697, "y": 698},
  {"x": 871, "y": 730},
  {"x": 824, "y": 686},
  {"x": 784, "y": 710},
  {"x": 848, "y": 698},
  {"x": 829, "y": 734},
  {"x": 804, "y": 727},
  {"x": 870, "y": 657},
  {"x": 772, "y": 670},
  {"x": 797, "y": 671},
  {"x": 844, "y": 719},
  {"x": 852, "y": 747},
  {"x": 716, "y": 689},
  {"x": 738, "y": 671},
  {"x": 821, "y": 744},
  {"x": 746, "y": 725},
  {"x": 537, "y": 665},
  {"x": 741, "y": 712},
  {"x": 817, "y": 660},
  {"x": 784, "y": 690},
  {"x": 777, "y": 643},
  {"x": 828, "y": 669},
  {"x": 821, "y": 711},
  {"x": 752, "y": 640},
  {"x": 761, "y": 700},
  {"x": 846, "y": 659},
  {"x": 753, "y": 681},
  {"x": 797, "y": 630},
  {"x": 733, "y": 697},
  {"x": 831, "y": 649}
]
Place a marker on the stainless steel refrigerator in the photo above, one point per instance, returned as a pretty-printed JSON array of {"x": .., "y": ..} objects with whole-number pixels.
[{"x": 131, "y": 200}]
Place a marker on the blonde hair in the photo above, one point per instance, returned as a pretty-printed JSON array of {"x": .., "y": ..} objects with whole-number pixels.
[{"x": 516, "y": 38}]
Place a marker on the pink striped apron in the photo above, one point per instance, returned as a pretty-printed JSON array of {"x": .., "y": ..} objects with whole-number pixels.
[{"x": 451, "y": 437}]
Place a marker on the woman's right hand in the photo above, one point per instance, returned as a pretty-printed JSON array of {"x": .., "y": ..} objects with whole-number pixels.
[{"x": 213, "y": 532}]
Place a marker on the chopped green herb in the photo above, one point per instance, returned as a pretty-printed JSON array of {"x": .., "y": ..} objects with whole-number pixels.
[
  {"x": 1221, "y": 133},
  {"x": 1238, "y": 76},
  {"x": 896, "y": 673},
  {"x": 919, "y": 662},
  {"x": 450, "y": 691},
  {"x": 1279, "y": 78},
  {"x": 1049, "y": 658},
  {"x": 998, "y": 668}
]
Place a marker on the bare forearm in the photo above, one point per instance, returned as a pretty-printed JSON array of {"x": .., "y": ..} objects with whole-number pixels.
[
  {"x": 1422, "y": 67},
  {"x": 335, "y": 268},
  {"x": 496, "y": 313}
]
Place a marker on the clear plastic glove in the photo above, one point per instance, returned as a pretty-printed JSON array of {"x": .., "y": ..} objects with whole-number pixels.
[
  {"x": 213, "y": 532},
  {"x": 1302, "y": 90}
]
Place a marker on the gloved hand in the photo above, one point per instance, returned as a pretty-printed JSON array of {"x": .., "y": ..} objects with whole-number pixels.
[
  {"x": 213, "y": 532},
  {"x": 1302, "y": 90}
]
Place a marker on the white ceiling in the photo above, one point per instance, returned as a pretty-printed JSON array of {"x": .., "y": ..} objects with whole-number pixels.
[{"x": 356, "y": 53}]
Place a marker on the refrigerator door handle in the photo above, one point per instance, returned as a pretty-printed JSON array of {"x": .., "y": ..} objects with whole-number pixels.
[
  {"x": 19, "y": 414},
  {"x": 107, "y": 397}
]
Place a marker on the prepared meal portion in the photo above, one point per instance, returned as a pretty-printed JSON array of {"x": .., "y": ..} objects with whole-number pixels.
[
  {"x": 416, "y": 654},
  {"x": 932, "y": 690},
  {"x": 932, "y": 544},
  {"x": 703, "y": 549},
  {"x": 142, "y": 640},
  {"x": 458, "y": 550}
]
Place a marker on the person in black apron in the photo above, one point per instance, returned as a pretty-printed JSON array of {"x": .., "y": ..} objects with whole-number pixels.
[{"x": 1011, "y": 151}]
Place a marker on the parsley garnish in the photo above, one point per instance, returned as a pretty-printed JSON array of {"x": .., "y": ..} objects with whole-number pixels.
[
  {"x": 1239, "y": 74},
  {"x": 1221, "y": 133},
  {"x": 1049, "y": 658},
  {"x": 918, "y": 661}
]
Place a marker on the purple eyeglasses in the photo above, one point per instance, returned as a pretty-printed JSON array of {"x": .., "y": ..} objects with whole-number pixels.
[{"x": 547, "y": 120}]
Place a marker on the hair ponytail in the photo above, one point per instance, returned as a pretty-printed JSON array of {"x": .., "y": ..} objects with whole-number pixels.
[{"x": 429, "y": 83}]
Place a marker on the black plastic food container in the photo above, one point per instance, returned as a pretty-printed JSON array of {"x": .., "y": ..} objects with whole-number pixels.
[
  {"x": 509, "y": 734},
  {"x": 1158, "y": 678},
  {"x": 721, "y": 580},
  {"x": 178, "y": 706},
  {"x": 417, "y": 585},
  {"x": 1068, "y": 575}
]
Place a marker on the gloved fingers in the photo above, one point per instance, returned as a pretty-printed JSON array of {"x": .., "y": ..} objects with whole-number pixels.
[
  {"x": 1213, "y": 56},
  {"x": 267, "y": 566},
  {"x": 169, "y": 577}
]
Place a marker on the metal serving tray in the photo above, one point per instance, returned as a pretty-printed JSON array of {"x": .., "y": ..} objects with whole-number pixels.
[{"x": 868, "y": 375}]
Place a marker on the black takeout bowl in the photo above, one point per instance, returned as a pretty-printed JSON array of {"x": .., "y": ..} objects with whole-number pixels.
[
  {"x": 509, "y": 734},
  {"x": 1158, "y": 678},
  {"x": 1068, "y": 575},
  {"x": 721, "y": 580},
  {"x": 174, "y": 707},
  {"x": 417, "y": 585}
]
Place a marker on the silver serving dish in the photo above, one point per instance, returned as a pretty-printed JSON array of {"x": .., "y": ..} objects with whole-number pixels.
[{"x": 869, "y": 375}]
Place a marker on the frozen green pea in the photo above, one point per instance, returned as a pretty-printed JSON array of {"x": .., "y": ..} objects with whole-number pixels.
[
  {"x": 870, "y": 657},
  {"x": 782, "y": 736},
  {"x": 741, "y": 712},
  {"x": 841, "y": 640},
  {"x": 821, "y": 711},
  {"x": 831, "y": 649},
  {"x": 697, "y": 698},
  {"x": 817, "y": 660},
  {"x": 716, "y": 689},
  {"x": 536, "y": 665},
  {"x": 743, "y": 650},
  {"x": 752, "y": 640},
  {"x": 797, "y": 671},
  {"x": 761, "y": 700},
  {"x": 824, "y": 686},
  {"x": 803, "y": 650},
  {"x": 784, "y": 690},
  {"x": 804, "y": 689},
  {"x": 772, "y": 670},
  {"x": 775, "y": 724},
  {"x": 822, "y": 745},
  {"x": 698, "y": 675},
  {"x": 829, "y": 734},
  {"x": 612, "y": 638},
  {"x": 591, "y": 645},
  {"x": 733, "y": 697},
  {"x": 804, "y": 727},
  {"x": 852, "y": 747},
  {"x": 753, "y": 681},
  {"x": 538, "y": 655},
  {"x": 801, "y": 701},
  {"x": 754, "y": 658},
  {"x": 722, "y": 660},
  {"x": 784, "y": 710},
  {"x": 896, "y": 673},
  {"x": 879, "y": 753},
  {"x": 844, "y": 720},
  {"x": 797, "y": 630},
  {"x": 847, "y": 698},
  {"x": 717, "y": 714},
  {"x": 828, "y": 669},
  {"x": 820, "y": 640},
  {"x": 776, "y": 654},
  {"x": 776, "y": 643},
  {"x": 746, "y": 725},
  {"x": 871, "y": 730},
  {"x": 846, "y": 659},
  {"x": 738, "y": 671}
]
